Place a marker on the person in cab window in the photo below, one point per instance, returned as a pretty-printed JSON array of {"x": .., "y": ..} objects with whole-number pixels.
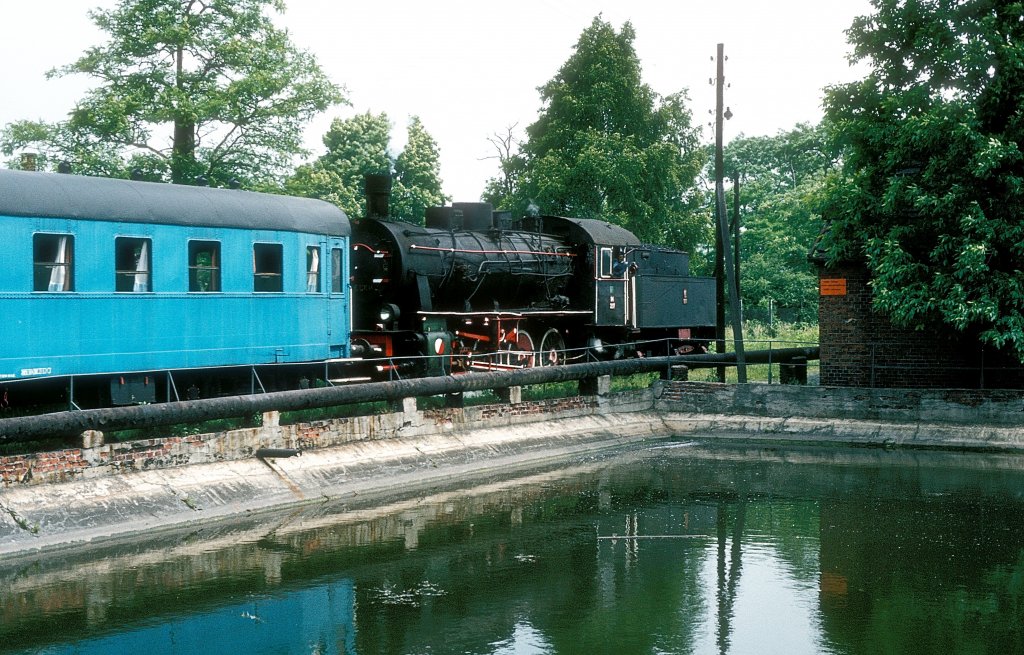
[{"x": 621, "y": 266}]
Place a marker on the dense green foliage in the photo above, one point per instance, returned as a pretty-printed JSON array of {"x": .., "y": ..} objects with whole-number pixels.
[
  {"x": 933, "y": 198},
  {"x": 359, "y": 146},
  {"x": 186, "y": 88},
  {"x": 355, "y": 147},
  {"x": 606, "y": 146},
  {"x": 417, "y": 182},
  {"x": 781, "y": 181}
]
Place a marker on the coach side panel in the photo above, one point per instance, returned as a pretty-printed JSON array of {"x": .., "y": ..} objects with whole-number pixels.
[{"x": 85, "y": 297}]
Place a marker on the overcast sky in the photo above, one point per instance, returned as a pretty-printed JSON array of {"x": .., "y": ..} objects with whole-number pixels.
[{"x": 471, "y": 68}]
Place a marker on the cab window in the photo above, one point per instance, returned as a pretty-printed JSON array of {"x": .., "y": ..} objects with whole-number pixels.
[
  {"x": 336, "y": 279},
  {"x": 606, "y": 262}
]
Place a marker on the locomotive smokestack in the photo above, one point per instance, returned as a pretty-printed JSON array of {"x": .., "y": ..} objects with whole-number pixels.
[{"x": 378, "y": 194}]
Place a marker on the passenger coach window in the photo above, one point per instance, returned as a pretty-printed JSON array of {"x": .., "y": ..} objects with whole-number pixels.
[
  {"x": 53, "y": 257},
  {"x": 204, "y": 266},
  {"x": 313, "y": 269},
  {"x": 267, "y": 260},
  {"x": 131, "y": 264},
  {"x": 336, "y": 270}
]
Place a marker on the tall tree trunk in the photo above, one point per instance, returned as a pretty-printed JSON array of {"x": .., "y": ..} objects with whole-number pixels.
[
  {"x": 183, "y": 151},
  {"x": 183, "y": 155}
]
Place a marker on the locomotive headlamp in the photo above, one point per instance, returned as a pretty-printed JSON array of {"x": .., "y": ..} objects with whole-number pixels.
[{"x": 388, "y": 313}]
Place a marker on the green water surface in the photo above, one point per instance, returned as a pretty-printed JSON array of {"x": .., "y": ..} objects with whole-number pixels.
[{"x": 677, "y": 548}]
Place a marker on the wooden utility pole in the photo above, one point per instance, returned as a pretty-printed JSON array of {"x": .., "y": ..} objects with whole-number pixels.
[
  {"x": 736, "y": 228},
  {"x": 723, "y": 258},
  {"x": 719, "y": 246}
]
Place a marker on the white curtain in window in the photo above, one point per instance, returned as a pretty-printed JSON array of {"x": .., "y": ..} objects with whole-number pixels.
[
  {"x": 142, "y": 270},
  {"x": 59, "y": 272},
  {"x": 314, "y": 271}
]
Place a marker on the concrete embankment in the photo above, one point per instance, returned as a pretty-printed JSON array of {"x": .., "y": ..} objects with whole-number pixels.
[
  {"x": 949, "y": 419},
  {"x": 121, "y": 491}
]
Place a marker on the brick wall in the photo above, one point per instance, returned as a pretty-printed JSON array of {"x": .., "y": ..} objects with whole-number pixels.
[{"x": 861, "y": 348}]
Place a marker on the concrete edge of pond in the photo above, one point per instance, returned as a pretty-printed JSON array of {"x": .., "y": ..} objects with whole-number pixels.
[
  {"x": 40, "y": 518},
  {"x": 422, "y": 454},
  {"x": 847, "y": 432}
]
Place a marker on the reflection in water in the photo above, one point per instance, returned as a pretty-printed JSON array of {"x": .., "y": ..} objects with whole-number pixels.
[{"x": 666, "y": 550}]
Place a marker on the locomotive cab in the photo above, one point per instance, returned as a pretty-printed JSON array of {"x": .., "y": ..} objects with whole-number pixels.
[
  {"x": 613, "y": 281},
  {"x": 646, "y": 287}
]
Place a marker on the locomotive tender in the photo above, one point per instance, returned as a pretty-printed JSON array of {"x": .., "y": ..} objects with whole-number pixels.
[{"x": 138, "y": 291}]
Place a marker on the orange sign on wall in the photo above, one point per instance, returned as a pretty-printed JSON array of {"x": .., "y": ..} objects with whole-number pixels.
[{"x": 833, "y": 286}]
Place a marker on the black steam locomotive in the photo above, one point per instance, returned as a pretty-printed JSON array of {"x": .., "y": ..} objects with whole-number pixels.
[{"x": 475, "y": 290}]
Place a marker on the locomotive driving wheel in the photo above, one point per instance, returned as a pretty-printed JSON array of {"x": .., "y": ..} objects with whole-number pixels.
[
  {"x": 552, "y": 349},
  {"x": 519, "y": 349}
]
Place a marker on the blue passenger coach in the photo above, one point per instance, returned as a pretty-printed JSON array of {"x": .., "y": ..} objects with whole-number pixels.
[{"x": 129, "y": 280}]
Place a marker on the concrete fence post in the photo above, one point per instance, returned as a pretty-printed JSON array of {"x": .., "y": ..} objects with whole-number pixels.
[
  {"x": 272, "y": 419},
  {"x": 510, "y": 395},
  {"x": 793, "y": 371},
  {"x": 678, "y": 373},
  {"x": 402, "y": 406},
  {"x": 92, "y": 439},
  {"x": 600, "y": 385}
]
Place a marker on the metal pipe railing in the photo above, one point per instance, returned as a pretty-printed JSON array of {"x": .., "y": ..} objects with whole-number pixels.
[{"x": 28, "y": 428}]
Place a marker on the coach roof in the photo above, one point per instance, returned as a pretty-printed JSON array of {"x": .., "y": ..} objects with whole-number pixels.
[{"x": 52, "y": 195}]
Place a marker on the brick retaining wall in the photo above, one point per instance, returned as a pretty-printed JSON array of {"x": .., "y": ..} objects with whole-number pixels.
[{"x": 170, "y": 452}]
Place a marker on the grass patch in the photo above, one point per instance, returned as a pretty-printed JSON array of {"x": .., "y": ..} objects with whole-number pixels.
[
  {"x": 551, "y": 391},
  {"x": 761, "y": 336},
  {"x": 183, "y": 429},
  {"x": 571, "y": 389},
  {"x": 336, "y": 411},
  {"x": 36, "y": 446},
  {"x": 635, "y": 381}
]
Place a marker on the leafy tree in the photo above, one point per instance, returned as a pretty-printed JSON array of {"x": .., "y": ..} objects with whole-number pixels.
[
  {"x": 417, "y": 175},
  {"x": 186, "y": 88},
  {"x": 606, "y": 146},
  {"x": 781, "y": 182},
  {"x": 501, "y": 191},
  {"x": 355, "y": 147},
  {"x": 359, "y": 146},
  {"x": 934, "y": 191},
  {"x": 776, "y": 164}
]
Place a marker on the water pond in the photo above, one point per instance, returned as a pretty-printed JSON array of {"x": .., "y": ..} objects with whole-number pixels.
[{"x": 681, "y": 547}]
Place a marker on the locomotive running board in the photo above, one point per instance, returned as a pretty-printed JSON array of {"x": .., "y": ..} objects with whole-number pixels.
[
  {"x": 482, "y": 366},
  {"x": 524, "y": 313},
  {"x": 350, "y": 380}
]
